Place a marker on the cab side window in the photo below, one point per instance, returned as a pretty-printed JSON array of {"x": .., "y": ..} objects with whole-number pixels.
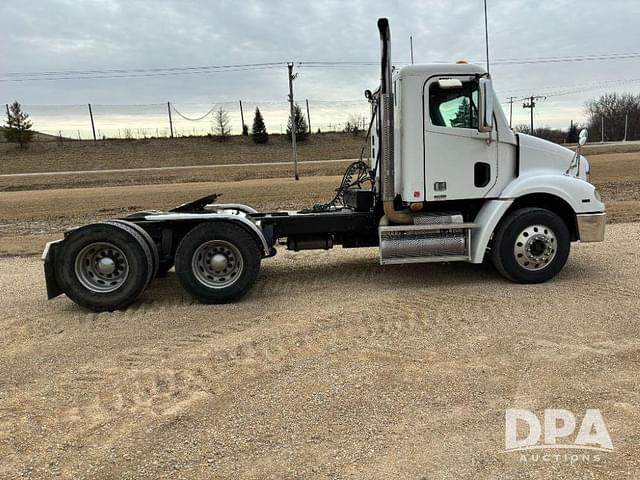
[{"x": 454, "y": 107}]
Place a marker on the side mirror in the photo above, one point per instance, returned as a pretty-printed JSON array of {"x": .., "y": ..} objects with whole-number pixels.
[
  {"x": 582, "y": 138},
  {"x": 485, "y": 99}
]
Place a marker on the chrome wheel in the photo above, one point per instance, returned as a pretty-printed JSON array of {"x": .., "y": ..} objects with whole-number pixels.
[
  {"x": 217, "y": 264},
  {"x": 101, "y": 267},
  {"x": 535, "y": 247}
]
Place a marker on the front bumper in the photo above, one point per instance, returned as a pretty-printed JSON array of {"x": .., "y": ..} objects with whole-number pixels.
[{"x": 591, "y": 226}]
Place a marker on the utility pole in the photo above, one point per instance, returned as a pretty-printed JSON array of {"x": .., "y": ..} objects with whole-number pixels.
[
  {"x": 93, "y": 127},
  {"x": 8, "y": 114},
  {"x": 242, "y": 117},
  {"x": 170, "y": 121},
  {"x": 602, "y": 129},
  {"x": 532, "y": 104},
  {"x": 511, "y": 99},
  {"x": 411, "y": 44},
  {"x": 308, "y": 116},
  {"x": 626, "y": 126},
  {"x": 292, "y": 77}
]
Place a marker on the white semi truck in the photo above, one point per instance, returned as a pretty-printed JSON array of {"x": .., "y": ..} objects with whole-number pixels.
[{"x": 447, "y": 180}]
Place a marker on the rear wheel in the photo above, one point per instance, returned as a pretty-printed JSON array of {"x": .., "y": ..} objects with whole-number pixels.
[
  {"x": 217, "y": 262},
  {"x": 105, "y": 266},
  {"x": 147, "y": 238},
  {"x": 531, "y": 245}
]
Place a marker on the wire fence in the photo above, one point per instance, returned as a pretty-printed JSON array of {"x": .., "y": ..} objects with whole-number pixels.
[{"x": 163, "y": 120}]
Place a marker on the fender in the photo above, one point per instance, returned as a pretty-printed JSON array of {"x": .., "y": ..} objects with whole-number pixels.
[
  {"x": 580, "y": 195},
  {"x": 487, "y": 219},
  {"x": 213, "y": 217}
]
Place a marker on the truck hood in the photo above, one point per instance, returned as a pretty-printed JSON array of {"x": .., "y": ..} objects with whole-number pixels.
[{"x": 539, "y": 154}]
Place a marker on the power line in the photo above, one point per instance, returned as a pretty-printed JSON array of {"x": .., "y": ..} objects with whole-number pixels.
[
  {"x": 208, "y": 69},
  {"x": 140, "y": 70},
  {"x": 135, "y": 75}
]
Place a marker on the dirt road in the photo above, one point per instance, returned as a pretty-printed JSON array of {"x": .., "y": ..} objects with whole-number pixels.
[{"x": 332, "y": 367}]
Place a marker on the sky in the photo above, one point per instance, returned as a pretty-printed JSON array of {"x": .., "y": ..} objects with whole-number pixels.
[{"x": 81, "y": 35}]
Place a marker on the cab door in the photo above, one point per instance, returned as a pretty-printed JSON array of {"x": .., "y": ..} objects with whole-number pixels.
[{"x": 459, "y": 161}]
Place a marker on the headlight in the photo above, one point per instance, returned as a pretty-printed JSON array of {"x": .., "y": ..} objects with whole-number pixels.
[{"x": 596, "y": 194}]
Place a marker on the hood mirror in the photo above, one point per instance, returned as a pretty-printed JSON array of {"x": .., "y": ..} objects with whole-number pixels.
[
  {"x": 575, "y": 163},
  {"x": 582, "y": 138}
]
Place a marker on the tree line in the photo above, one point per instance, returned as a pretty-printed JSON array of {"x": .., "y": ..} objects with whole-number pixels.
[
  {"x": 259, "y": 134},
  {"x": 611, "y": 117}
]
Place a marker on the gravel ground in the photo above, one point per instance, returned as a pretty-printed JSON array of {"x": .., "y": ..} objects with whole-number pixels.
[{"x": 332, "y": 367}]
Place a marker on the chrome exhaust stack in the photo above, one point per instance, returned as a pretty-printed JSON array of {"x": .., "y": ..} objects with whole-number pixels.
[{"x": 386, "y": 135}]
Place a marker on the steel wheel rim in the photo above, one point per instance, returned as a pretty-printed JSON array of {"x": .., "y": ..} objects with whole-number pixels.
[
  {"x": 217, "y": 264},
  {"x": 101, "y": 267},
  {"x": 535, "y": 247}
]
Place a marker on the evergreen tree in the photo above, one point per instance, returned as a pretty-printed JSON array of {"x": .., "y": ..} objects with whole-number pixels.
[
  {"x": 259, "y": 131},
  {"x": 299, "y": 122},
  {"x": 464, "y": 116},
  {"x": 18, "y": 126}
]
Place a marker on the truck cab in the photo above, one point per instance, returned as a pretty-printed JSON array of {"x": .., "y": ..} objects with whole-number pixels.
[{"x": 457, "y": 181}]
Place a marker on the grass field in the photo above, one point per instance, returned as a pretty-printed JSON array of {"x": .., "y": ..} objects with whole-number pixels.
[{"x": 167, "y": 152}]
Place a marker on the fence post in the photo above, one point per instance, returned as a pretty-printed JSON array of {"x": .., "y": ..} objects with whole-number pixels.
[
  {"x": 93, "y": 127},
  {"x": 308, "y": 116},
  {"x": 170, "y": 121}
]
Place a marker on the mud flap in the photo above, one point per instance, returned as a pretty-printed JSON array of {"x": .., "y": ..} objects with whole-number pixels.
[{"x": 49, "y": 259}]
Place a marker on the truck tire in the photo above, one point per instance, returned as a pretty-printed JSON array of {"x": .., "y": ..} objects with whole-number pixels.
[
  {"x": 104, "y": 266},
  {"x": 531, "y": 245},
  {"x": 147, "y": 238},
  {"x": 217, "y": 262}
]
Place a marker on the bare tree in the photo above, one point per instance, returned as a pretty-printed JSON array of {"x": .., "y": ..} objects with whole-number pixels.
[
  {"x": 353, "y": 124},
  {"x": 613, "y": 111},
  {"x": 221, "y": 125}
]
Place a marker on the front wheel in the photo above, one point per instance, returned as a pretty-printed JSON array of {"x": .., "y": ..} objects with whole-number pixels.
[
  {"x": 217, "y": 262},
  {"x": 531, "y": 245}
]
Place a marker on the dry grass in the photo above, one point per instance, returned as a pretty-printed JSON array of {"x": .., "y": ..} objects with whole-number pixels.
[
  {"x": 221, "y": 173},
  {"x": 165, "y": 152}
]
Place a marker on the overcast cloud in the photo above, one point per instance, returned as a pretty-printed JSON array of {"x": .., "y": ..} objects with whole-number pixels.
[{"x": 44, "y": 35}]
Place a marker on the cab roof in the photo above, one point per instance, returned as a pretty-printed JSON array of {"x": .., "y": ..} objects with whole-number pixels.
[{"x": 430, "y": 69}]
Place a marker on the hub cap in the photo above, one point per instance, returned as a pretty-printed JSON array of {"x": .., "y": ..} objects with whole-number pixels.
[
  {"x": 101, "y": 267},
  {"x": 217, "y": 264},
  {"x": 535, "y": 247}
]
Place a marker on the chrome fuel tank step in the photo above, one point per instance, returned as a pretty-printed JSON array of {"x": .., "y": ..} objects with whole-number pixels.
[{"x": 426, "y": 242}]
